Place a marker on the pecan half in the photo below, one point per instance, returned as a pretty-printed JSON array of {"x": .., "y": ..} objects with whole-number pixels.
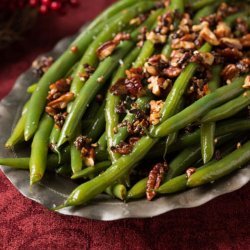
[
  {"x": 179, "y": 44},
  {"x": 204, "y": 58},
  {"x": 155, "y": 111},
  {"x": 155, "y": 178}
]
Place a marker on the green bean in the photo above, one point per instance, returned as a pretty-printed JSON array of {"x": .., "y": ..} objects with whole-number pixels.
[
  {"x": 54, "y": 136},
  {"x": 207, "y": 141},
  {"x": 205, "y": 11},
  {"x": 198, "y": 108},
  {"x": 202, "y": 3},
  {"x": 23, "y": 163},
  {"x": 228, "y": 109},
  {"x": 98, "y": 168},
  {"x": 117, "y": 191},
  {"x": 183, "y": 160},
  {"x": 91, "y": 87},
  {"x": 63, "y": 64},
  {"x": 31, "y": 89},
  {"x": 102, "y": 142},
  {"x": 90, "y": 56},
  {"x": 112, "y": 118},
  {"x": 138, "y": 190},
  {"x": 17, "y": 134},
  {"x": 208, "y": 129},
  {"x": 39, "y": 149},
  {"x": 98, "y": 125},
  {"x": 75, "y": 155},
  {"x": 225, "y": 166}
]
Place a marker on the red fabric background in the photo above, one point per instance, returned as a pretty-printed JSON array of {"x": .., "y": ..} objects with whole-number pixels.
[{"x": 220, "y": 224}]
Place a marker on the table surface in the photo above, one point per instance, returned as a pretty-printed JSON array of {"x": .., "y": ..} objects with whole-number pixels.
[{"x": 24, "y": 224}]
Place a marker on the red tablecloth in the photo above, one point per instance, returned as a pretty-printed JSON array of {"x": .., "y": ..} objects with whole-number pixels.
[{"x": 220, "y": 224}]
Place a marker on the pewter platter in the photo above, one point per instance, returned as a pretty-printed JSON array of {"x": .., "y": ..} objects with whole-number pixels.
[{"x": 54, "y": 189}]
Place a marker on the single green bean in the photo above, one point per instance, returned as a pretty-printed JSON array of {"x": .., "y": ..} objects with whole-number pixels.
[
  {"x": 208, "y": 129},
  {"x": 202, "y": 3},
  {"x": 97, "y": 127},
  {"x": 75, "y": 155},
  {"x": 138, "y": 190},
  {"x": 39, "y": 149},
  {"x": 198, "y": 108},
  {"x": 98, "y": 168},
  {"x": 225, "y": 166},
  {"x": 228, "y": 109},
  {"x": 207, "y": 141},
  {"x": 31, "y": 89},
  {"x": 17, "y": 134}
]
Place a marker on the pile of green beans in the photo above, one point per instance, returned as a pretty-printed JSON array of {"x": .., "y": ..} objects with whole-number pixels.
[{"x": 217, "y": 144}]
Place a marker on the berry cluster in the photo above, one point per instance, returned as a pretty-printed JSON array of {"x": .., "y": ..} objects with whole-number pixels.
[{"x": 43, "y": 6}]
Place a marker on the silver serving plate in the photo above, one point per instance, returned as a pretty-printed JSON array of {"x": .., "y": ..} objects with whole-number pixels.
[{"x": 54, "y": 189}]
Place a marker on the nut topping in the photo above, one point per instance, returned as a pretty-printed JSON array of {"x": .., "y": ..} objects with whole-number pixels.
[
  {"x": 209, "y": 36},
  {"x": 155, "y": 178},
  {"x": 247, "y": 82},
  {"x": 155, "y": 111}
]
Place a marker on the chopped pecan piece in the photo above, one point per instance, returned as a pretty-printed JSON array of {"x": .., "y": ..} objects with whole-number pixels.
[
  {"x": 209, "y": 36},
  {"x": 157, "y": 84},
  {"x": 108, "y": 47},
  {"x": 190, "y": 171},
  {"x": 171, "y": 72},
  {"x": 155, "y": 178},
  {"x": 244, "y": 65},
  {"x": 204, "y": 58},
  {"x": 201, "y": 26},
  {"x": 60, "y": 119},
  {"x": 222, "y": 30},
  {"x": 179, "y": 44},
  {"x": 229, "y": 72},
  {"x": 155, "y": 111},
  {"x": 245, "y": 41},
  {"x": 138, "y": 20},
  {"x": 88, "y": 71},
  {"x": 125, "y": 148},
  {"x": 83, "y": 144},
  {"x": 230, "y": 53},
  {"x": 62, "y": 101},
  {"x": 156, "y": 37},
  {"x": 231, "y": 42},
  {"x": 247, "y": 82},
  {"x": 155, "y": 64}
]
